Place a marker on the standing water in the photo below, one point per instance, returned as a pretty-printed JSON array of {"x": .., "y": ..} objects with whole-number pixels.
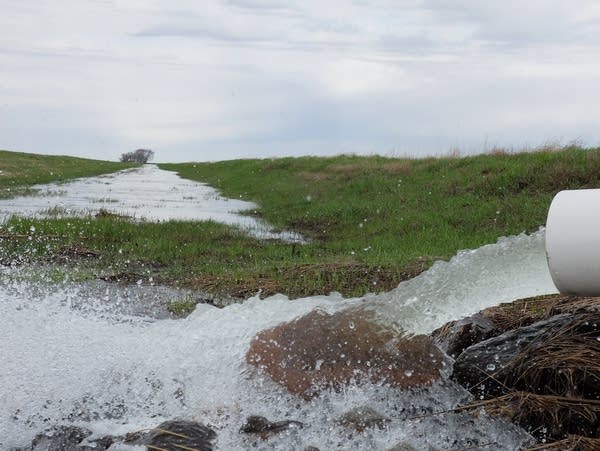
[
  {"x": 145, "y": 193},
  {"x": 116, "y": 372}
]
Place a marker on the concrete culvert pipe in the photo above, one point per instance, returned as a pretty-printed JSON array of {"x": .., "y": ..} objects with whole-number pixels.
[{"x": 573, "y": 242}]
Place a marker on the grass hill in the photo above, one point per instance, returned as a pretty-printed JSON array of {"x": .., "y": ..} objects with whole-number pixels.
[
  {"x": 19, "y": 170},
  {"x": 372, "y": 221}
]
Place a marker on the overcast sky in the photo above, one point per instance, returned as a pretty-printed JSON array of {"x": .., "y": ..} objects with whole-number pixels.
[{"x": 213, "y": 80}]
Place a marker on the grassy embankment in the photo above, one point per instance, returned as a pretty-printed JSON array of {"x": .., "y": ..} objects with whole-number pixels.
[
  {"x": 372, "y": 222},
  {"x": 18, "y": 171}
]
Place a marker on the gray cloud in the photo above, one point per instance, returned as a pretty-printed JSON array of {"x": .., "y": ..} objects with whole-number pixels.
[
  {"x": 242, "y": 78},
  {"x": 204, "y": 32},
  {"x": 282, "y": 8},
  {"x": 517, "y": 23}
]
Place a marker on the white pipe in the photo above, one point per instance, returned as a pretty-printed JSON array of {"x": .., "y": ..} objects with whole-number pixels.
[{"x": 573, "y": 242}]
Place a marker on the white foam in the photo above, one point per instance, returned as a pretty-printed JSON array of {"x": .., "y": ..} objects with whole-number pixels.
[
  {"x": 115, "y": 373},
  {"x": 472, "y": 280}
]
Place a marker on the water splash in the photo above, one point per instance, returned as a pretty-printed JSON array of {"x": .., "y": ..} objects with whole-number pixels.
[
  {"x": 510, "y": 269},
  {"x": 122, "y": 372}
]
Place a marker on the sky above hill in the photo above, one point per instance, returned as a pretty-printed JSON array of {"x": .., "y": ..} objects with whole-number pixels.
[{"x": 213, "y": 80}]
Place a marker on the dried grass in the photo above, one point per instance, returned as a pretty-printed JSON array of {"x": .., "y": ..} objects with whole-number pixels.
[
  {"x": 547, "y": 415},
  {"x": 509, "y": 316},
  {"x": 557, "y": 375},
  {"x": 398, "y": 168},
  {"x": 452, "y": 154},
  {"x": 552, "y": 386},
  {"x": 347, "y": 168},
  {"x": 565, "y": 362},
  {"x": 572, "y": 443},
  {"x": 314, "y": 177},
  {"x": 553, "y": 147},
  {"x": 500, "y": 151}
]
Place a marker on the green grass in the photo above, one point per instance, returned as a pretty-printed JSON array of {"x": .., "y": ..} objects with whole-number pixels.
[
  {"x": 18, "y": 171},
  {"x": 372, "y": 222},
  {"x": 381, "y": 220},
  {"x": 181, "y": 307}
]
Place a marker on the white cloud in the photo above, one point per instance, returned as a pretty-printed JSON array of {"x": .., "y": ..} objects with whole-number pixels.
[{"x": 238, "y": 78}]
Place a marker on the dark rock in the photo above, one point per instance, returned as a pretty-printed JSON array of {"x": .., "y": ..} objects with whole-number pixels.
[
  {"x": 361, "y": 418},
  {"x": 105, "y": 442},
  {"x": 136, "y": 437},
  {"x": 485, "y": 368},
  {"x": 536, "y": 359},
  {"x": 61, "y": 438},
  {"x": 455, "y": 336},
  {"x": 68, "y": 438},
  {"x": 256, "y": 424},
  {"x": 403, "y": 447},
  {"x": 320, "y": 350},
  {"x": 170, "y": 435},
  {"x": 176, "y": 435}
]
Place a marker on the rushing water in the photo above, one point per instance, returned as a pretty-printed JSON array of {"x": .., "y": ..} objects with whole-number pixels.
[
  {"x": 145, "y": 193},
  {"x": 67, "y": 358}
]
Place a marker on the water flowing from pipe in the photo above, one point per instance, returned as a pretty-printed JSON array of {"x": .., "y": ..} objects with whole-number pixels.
[{"x": 115, "y": 370}]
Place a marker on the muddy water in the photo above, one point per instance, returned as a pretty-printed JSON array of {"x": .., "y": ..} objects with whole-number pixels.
[
  {"x": 146, "y": 193},
  {"x": 116, "y": 371}
]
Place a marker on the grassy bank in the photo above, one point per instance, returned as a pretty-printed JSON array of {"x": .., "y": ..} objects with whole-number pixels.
[
  {"x": 375, "y": 221},
  {"x": 20, "y": 170},
  {"x": 372, "y": 222}
]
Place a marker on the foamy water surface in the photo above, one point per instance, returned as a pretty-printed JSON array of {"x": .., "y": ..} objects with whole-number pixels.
[{"x": 116, "y": 370}]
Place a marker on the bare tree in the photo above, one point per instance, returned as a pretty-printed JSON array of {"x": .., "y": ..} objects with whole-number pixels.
[{"x": 138, "y": 156}]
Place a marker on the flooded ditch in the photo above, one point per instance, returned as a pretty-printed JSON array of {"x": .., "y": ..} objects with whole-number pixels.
[{"x": 145, "y": 193}]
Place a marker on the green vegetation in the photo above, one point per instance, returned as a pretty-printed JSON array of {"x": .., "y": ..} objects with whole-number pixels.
[
  {"x": 372, "y": 222},
  {"x": 181, "y": 307},
  {"x": 20, "y": 170}
]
